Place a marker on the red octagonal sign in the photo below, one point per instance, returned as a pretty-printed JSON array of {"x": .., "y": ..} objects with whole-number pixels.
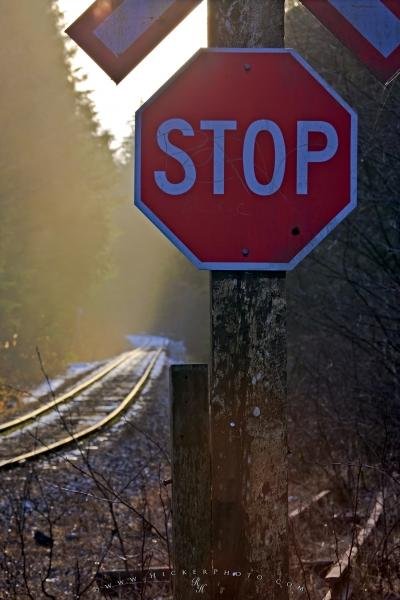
[{"x": 246, "y": 159}]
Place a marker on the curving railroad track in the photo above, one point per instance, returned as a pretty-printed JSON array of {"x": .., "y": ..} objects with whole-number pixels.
[{"x": 84, "y": 410}]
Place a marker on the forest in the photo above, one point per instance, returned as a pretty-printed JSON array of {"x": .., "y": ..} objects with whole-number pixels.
[{"x": 79, "y": 269}]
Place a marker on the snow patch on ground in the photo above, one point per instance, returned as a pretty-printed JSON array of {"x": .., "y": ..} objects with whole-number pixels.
[
  {"x": 158, "y": 367},
  {"x": 43, "y": 388},
  {"x": 73, "y": 370},
  {"x": 175, "y": 348},
  {"x": 83, "y": 367}
]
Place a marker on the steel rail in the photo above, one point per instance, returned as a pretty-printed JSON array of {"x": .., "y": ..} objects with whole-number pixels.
[
  {"x": 32, "y": 415},
  {"x": 74, "y": 437}
]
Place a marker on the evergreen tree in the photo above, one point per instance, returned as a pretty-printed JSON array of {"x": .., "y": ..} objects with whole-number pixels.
[{"x": 57, "y": 188}]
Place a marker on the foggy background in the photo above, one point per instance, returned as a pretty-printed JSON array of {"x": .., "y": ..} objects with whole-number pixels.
[{"x": 80, "y": 267}]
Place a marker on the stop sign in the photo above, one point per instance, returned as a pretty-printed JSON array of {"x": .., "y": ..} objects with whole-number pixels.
[{"x": 246, "y": 159}]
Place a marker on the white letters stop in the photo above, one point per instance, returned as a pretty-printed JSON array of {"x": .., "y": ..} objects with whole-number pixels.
[{"x": 304, "y": 155}]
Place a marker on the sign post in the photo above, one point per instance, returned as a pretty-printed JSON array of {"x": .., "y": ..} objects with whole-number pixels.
[
  {"x": 245, "y": 160},
  {"x": 248, "y": 384}
]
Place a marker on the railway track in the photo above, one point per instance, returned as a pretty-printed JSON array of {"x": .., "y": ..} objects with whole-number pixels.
[
  {"x": 82, "y": 411},
  {"x": 100, "y": 398},
  {"x": 86, "y": 382}
]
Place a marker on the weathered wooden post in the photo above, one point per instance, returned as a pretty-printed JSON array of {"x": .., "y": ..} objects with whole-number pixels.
[
  {"x": 248, "y": 431},
  {"x": 248, "y": 383},
  {"x": 245, "y": 160},
  {"x": 191, "y": 487}
]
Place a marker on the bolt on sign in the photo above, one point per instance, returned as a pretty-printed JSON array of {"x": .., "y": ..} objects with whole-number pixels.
[
  {"x": 246, "y": 159},
  {"x": 369, "y": 28},
  {"x": 118, "y": 34}
]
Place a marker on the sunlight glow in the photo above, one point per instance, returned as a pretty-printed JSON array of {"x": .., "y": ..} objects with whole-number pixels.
[{"x": 116, "y": 104}]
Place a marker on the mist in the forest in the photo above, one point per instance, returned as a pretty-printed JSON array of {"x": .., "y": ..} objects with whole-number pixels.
[{"x": 80, "y": 268}]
